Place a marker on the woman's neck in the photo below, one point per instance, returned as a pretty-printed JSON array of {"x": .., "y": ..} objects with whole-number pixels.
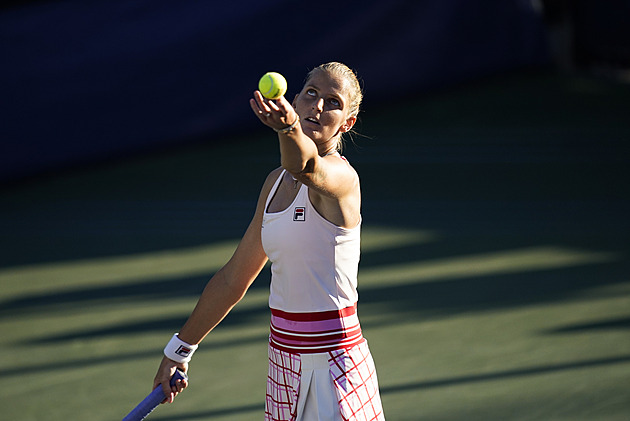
[{"x": 328, "y": 148}]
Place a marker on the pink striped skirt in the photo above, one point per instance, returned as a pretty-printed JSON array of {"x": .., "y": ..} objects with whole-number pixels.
[{"x": 319, "y": 363}]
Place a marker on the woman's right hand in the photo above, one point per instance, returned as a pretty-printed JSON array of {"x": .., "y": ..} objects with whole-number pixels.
[
  {"x": 277, "y": 114},
  {"x": 163, "y": 378}
]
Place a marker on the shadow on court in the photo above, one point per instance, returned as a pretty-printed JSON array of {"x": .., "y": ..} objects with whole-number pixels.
[
  {"x": 417, "y": 300},
  {"x": 530, "y": 168}
]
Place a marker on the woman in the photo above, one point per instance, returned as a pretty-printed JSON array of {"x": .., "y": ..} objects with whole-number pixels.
[{"x": 307, "y": 222}]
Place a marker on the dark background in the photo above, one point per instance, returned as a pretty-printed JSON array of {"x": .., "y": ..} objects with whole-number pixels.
[{"x": 87, "y": 81}]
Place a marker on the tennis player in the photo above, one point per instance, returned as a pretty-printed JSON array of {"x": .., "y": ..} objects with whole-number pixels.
[{"x": 307, "y": 223}]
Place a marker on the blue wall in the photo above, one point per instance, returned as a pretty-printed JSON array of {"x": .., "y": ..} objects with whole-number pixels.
[{"x": 87, "y": 80}]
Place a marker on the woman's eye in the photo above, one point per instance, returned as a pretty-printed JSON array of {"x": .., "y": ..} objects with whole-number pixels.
[
  {"x": 334, "y": 102},
  {"x": 311, "y": 92}
]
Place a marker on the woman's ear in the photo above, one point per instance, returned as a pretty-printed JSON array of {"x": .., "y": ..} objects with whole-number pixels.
[
  {"x": 348, "y": 125},
  {"x": 294, "y": 100}
]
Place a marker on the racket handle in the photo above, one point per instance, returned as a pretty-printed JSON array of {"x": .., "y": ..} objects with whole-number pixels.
[{"x": 152, "y": 400}]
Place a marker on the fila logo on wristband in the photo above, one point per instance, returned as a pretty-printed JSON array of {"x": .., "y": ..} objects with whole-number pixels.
[
  {"x": 178, "y": 350},
  {"x": 183, "y": 351}
]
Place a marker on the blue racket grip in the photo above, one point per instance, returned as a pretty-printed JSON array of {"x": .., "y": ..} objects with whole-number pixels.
[{"x": 152, "y": 401}]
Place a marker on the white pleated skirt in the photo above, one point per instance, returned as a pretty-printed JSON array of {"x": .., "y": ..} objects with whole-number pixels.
[{"x": 339, "y": 385}]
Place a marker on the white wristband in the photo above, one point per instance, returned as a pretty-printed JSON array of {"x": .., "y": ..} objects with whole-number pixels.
[{"x": 178, "y": 350}]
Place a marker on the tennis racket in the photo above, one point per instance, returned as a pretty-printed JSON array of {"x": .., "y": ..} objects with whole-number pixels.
[{"x": 154, "y": 398}]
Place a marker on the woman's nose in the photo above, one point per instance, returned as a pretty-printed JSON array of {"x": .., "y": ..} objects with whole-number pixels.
[{"x": 319, "y": 105}]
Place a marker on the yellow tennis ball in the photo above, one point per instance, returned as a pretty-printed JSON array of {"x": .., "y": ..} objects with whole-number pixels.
[{"x": 272, "y": 85}]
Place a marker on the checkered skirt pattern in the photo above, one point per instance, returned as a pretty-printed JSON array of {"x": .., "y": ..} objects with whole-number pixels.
[
  {"x": 283, "y": 385},
  {"x": 353, "y": 374}
]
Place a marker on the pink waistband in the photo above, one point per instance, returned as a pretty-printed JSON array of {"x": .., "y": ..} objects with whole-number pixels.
[{"x": 325, "y": 331}]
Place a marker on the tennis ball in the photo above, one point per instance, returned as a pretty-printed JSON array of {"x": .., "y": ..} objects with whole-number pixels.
[{"x": 272, "y": 85}]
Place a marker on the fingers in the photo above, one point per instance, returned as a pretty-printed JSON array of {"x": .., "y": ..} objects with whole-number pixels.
[
  {"x": 179, "y": 386},
  {"x": 171, "y": 391},
  {"x": 283, "y": 105},
  {"x": 261, "y": 112},
  {"x": 163, "y": 379},
  {"x": 175, "y": 389},
  {"x": 168, "y": 393},
  {"x": 165, "y": 382},
  {"x": 273, "y": 113},
  {"x": 267, "y": 107},
  {"x": 263, "y": 108},
  {"x": 166, "y": 388},
  {"x": 274, "y": 108}
]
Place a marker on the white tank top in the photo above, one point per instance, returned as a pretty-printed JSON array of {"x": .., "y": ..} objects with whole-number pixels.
[{"x": 314, "y": 263}]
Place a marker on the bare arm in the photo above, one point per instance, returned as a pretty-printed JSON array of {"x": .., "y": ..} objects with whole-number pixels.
[
  {"x": 228, "y": 286},
  {"x": 224, "y": 290}
]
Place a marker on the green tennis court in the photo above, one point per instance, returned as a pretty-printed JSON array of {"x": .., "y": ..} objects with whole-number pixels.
[{"x": 494, "y": 280}]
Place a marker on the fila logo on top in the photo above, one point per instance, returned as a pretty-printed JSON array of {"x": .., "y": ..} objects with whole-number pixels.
[{"x": 298, "y": 214}]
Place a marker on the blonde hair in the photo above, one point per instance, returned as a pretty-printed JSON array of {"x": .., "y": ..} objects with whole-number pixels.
[
  {"x": 339, "y": 69},
  {"x": 355, "y": 93}
]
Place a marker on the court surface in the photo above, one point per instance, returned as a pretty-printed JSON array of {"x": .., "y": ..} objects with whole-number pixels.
[{"x": 494, "y": 281}]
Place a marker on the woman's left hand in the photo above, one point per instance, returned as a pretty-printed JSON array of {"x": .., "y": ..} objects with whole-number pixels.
[
  {"x": 163, "y": 377},
  {"x": 276, "y": 114}
]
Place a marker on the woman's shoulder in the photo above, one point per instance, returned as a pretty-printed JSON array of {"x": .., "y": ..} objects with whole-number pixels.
[
  {"x": 270, "y": 181},
  {"x": 266, "y": 189},
  {"x": 274, "y": 174},
  {"x": 272, "y": 177}
]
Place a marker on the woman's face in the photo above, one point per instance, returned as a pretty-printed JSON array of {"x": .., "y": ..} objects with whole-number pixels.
[{"x": 322, "y": 106}]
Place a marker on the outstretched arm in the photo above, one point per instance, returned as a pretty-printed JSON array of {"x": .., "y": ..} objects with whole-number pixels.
[
  {"x": 333, "y": 182},
  {"x": 300, "y": 155}
]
